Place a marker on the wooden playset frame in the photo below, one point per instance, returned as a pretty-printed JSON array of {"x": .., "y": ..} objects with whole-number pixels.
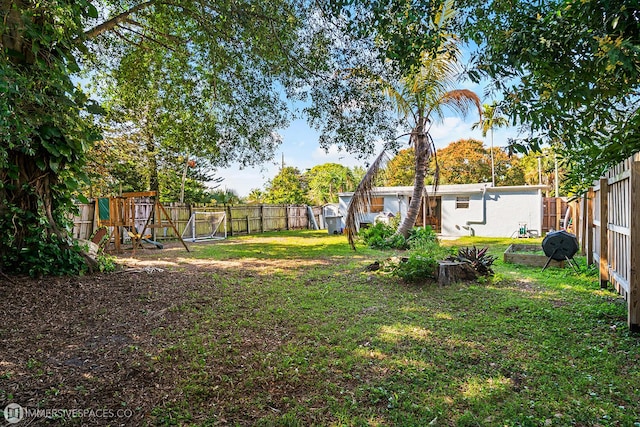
[{"x": 122, "y": 218}]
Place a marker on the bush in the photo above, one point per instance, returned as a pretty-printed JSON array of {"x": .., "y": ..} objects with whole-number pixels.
[
  {"x": 421, "y": 263},
  {"x": 422, "y": 238},
  {"x": 382, "y": 236},
  {"x": 418, "y": 267}
]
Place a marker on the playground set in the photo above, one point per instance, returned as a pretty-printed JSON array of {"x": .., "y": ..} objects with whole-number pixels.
[{"x": 121, "y": 213}]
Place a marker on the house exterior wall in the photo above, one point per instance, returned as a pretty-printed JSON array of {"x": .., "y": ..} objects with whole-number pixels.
[
  {"x": 498, "y": 215},
  {"x": 492, "y": 212}
]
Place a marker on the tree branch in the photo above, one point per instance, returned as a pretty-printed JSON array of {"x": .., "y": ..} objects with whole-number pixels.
[
  {"x": 147, "y": 37},
  {"x": 113, "y": 22}
]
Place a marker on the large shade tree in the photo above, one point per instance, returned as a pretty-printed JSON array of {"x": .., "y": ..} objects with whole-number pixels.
[
  {"x": 287, "y": 187},
  {"x": 219, "y": 66},
  {"x": 44, "y": 132},
  {"x": 569, "y": 71},
  {"x": 325, "y": 181},
  {"x": 467, "y": 161}
]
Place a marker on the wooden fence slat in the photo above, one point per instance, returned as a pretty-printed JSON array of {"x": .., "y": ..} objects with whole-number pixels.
[
  {"x": 603, "y": 249},
  {"x": 633, "y": 302}
]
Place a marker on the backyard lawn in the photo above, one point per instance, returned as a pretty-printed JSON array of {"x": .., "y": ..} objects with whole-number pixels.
[{"x": 288, "y": 329}]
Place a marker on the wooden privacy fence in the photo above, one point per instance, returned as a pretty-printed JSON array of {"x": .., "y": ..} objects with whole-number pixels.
[
  {"x": 241, "y": 219},
  {"x": 607, "y": 224},
  {"x": 553, "y": 212}
]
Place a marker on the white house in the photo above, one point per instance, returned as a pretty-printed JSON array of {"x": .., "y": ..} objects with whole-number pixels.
[{"x": 463, "y": 209}]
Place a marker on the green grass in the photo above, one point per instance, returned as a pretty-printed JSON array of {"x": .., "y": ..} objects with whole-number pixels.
[{"x": 310, "y": 338}]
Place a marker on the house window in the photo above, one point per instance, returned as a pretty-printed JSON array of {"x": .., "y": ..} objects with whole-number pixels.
[
  {"x": 462, "y": 202},
  {"x": 376, "y": 204}
]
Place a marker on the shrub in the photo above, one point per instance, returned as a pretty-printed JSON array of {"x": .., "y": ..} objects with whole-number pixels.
[
  {"x": 382, "y": 236},
  {"x": 417, "y": 267},
  {"x": 422, "y": 237}
]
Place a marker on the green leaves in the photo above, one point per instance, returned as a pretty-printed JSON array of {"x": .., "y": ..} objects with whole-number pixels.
[
  {"x": 286, "y": 188},
  {"x": 569, "y": 72},
  {"x": 45, "y": 140}
]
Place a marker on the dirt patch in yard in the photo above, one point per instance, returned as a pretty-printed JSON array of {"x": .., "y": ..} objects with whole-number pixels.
[
  {"x": 88, "y": 344},
  {"x": 85, "y": 342}
]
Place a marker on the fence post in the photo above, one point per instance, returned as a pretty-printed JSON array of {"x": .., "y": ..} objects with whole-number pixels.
[
  {"x": 634, "y": 257},
  {"x": 230, "y": 218},
  {"x": 604, "y": 232},
  {"x": 577, "y": 223},
  {"x": 248, "y": 225},
  {"x": 262, "y": 218},
  {"x": 286, "y": 217},
  {"x": 589, "y": 226}
]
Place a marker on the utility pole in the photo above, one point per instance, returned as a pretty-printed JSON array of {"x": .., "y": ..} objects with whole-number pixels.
[
  {"x": 540, "y": 170},
  {"x": 557, "y": 186},
  {"x": 493, "y": 168}
]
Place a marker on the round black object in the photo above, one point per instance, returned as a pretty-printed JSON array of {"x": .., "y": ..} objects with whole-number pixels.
[{"x": 560, "y": 245}]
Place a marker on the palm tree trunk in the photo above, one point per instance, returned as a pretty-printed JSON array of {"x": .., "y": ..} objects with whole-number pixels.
[{"x": 422, "y": 153}]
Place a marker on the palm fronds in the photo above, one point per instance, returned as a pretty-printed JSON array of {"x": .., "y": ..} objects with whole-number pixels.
[
  {"x": 460, "y": 101},
  {"x": 361, "y": 199}
]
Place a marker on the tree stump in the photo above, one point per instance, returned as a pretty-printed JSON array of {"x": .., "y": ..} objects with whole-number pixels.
[{"x": 455, "y": 271}]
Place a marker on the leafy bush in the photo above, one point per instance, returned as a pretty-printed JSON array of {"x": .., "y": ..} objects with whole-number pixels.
[
  {"x": 382, "y": 236},
  {"x": 422, "y": 260},
  {"x": 417, "y": 267},
  {"x": 45, "y": 256},
  {"x": 422, "y": 238}
]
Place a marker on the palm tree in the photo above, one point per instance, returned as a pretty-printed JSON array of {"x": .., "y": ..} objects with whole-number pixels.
[
  {"x": 490, "y": 119},
  {"x": 420, "y": 98}
]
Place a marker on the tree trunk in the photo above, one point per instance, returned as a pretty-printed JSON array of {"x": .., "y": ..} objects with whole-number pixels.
[
  {"x": 152, "y": 162},
  {"x": 42, "y": 140},
  {"x": 29, "y": 193},
  {"x": 422, "y": 153},
  {"x": 454, "y": 271}
]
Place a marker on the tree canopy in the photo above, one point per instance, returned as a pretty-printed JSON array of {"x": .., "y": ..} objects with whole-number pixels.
[
  {"x": 467, "y": 161},
  {"x": 325, "y": 181},
  {"x": 570, "y": 74},
  {"x": 287, "y": 187},
  {"x": 202, "y": 77}
]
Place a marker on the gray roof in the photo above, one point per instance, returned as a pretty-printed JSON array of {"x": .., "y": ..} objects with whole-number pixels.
[{"x": 452, "y": 189}]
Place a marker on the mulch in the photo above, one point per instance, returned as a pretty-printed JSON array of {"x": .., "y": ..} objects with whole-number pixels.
[{"x": 84, "y": 343}]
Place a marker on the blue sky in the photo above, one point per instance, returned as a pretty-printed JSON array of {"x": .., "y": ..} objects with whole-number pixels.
[{"x": 301, "y": 149}]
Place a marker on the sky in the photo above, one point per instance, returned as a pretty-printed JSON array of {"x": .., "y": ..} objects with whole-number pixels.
[{"x": 300, "y": 149}]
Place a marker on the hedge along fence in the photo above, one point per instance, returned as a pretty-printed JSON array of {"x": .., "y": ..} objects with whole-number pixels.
[{"x": 241, "y": 219}]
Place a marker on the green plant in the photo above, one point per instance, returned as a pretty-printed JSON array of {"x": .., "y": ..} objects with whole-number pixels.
[
  {"x": 43, "y": 255},
  {"x": 479, "y": 259},
  {"x": 421, "y": 237},
  {"x": 106, "y": 262},
  {"x": 417, "y": 267},
  {"x": 382, "y": 236}
]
